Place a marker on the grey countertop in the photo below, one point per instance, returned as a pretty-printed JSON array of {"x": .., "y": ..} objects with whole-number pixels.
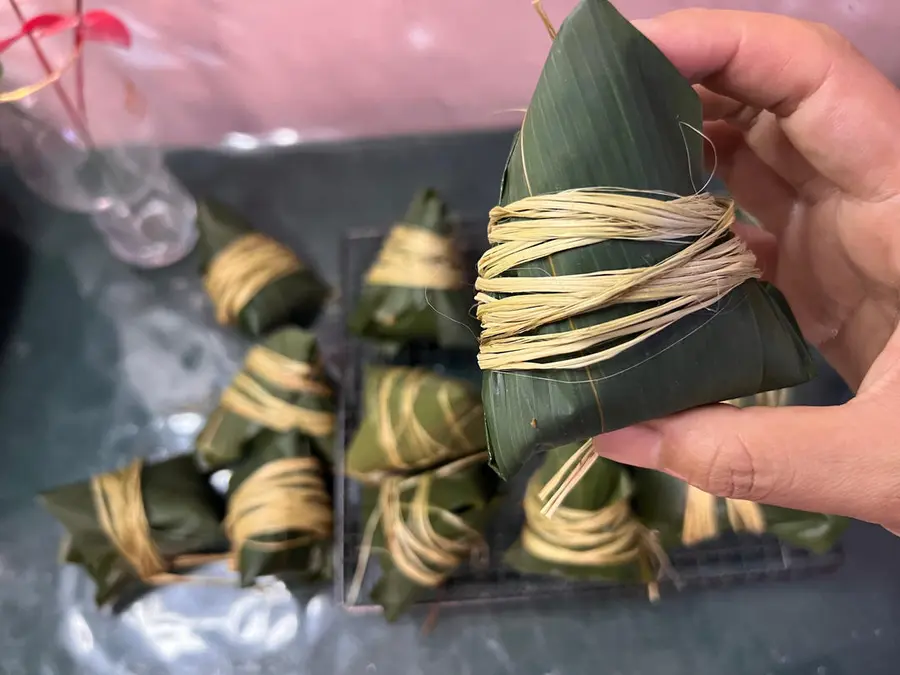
[{"x": 101, "y": 363}]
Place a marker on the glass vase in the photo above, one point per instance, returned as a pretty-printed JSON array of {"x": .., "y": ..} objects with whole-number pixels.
[{"x": 85, "y": 143}]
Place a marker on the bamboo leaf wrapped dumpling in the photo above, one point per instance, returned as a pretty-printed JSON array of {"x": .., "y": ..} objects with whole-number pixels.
[
  {"x": 593, "y": 534},
  {"x": 414, "y": 419},
  {"x": 283, "y": 386},
  {"x": 280, "y": 513},
  {"x": 685, "y": 515},
  {"x": 139, "y": 524},
  {"x": 417, "y": 289},
  {"x": 613, "y": 291},
  {"x": 254, "y": 282},
  {"x": 423, "y": 527}
]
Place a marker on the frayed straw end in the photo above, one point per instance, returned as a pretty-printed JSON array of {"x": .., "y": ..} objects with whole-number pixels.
[
  {"x": 564, "y": 481},
  {"x": 539, "y": 8}
]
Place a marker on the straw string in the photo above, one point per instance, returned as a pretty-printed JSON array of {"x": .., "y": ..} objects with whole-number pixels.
[
  {"x": 242, "y": 269},
  {"x": 251, "y": 400},
  {"x": 606, "y": 536},
  {"x": 283, "y": 496},
  {"x": 119, "y": 503},
  {"x": 413, "y": 257},
  {"x": 405, "y": 441},
  {"x": 286, "y": 373},
  {"x": 417, "y": 550},
  {"x": 707, "y": 268}
]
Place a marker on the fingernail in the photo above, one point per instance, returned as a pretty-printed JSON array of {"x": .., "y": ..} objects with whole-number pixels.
[{"x": 638, "y": 446}]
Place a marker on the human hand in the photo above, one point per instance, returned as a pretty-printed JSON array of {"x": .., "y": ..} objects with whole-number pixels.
[{"x": 806, "y": 138}]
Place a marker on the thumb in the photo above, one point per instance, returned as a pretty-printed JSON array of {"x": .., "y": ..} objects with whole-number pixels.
[{"x": 834, "y": 460}]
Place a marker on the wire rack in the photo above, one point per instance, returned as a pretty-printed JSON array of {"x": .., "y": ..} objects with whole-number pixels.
[{"x": 729, "y": 560}]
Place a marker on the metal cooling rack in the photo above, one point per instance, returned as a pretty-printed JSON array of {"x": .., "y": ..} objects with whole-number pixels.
[{"x": 731, "y": 559}]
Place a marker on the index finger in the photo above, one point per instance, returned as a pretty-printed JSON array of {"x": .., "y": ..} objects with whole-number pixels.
[{"x": 837, "y": 109}]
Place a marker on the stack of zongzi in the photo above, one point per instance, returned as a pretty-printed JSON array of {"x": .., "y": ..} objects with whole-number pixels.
[
  {"x": 420, "y": 452},
  {"x": 417, "y": 289},
  {"x": 274, "y": 427}
]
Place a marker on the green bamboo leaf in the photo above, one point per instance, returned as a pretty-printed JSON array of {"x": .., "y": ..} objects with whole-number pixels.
[{"x": 610, "y": 110}]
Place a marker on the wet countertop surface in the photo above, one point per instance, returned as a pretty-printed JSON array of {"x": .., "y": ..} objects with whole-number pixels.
[{"x": 100, "y": 363}]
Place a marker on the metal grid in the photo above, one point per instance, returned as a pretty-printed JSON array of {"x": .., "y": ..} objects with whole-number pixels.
[{"x": 729, "y": 560}]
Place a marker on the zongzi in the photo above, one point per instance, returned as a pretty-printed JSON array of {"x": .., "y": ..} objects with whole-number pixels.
[
  {"x": 424, "y": 527},
  {"x": 591, "y": 535},
  {"x": 140, "y": 524},
  {"x": 614, "y": 291},
  {"x": 414, "y": 419},
  {"x": 255, "y": 282},
  {"x": 417, "y": 289},
  {"x": 279, "y": 510},
  {"x": 684, "y": 515},
  {"x": 282, "y": 386}
]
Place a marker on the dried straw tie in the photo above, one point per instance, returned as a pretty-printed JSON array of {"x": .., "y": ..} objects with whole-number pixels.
[
  {"x": 602, "y": 538},
  {"x": 694, "y": 278},
  {"x": 250, "y": 399},
  {"x": 119, "y": 503},
  {"x": 413, "y": 257},
  {"x": 286, "y": 495},
  {"x": 405, "y": 441},
  {"x": 421, "y": 554},
  {"x": 242, "y": 269}
]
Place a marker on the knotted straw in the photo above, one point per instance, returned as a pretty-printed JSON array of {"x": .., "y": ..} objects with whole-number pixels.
[
  {"x": 604, "y": 537},
  {"x": 119, "y": 504},
  {"x": 242, "y": 269},
  {"x": 417, "y": 550},
  {"x": 710, "y": 266},
  {"x": 250, "y": 399},
  {"x": 413, "y": 257},
  {"x": 405, "y": 441},
  {"x": 283, "y": 496}
]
